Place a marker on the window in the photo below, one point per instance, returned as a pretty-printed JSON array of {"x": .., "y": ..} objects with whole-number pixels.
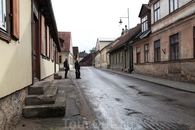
[
  {"x": 3, "y": 12},
  {"x": 45, "y": 36},
  {"x": 194, "y": 42},
  {"x": 157, "y": 50},
  {"x": 52, "y": 50},
  {"x": 146, "y": 53},
  {"x": 48, "y": 41},
  {"x": 173, "y": 5},
  {"x": 144, "y": 23},
  {"x": 138, "y": 54},
  {"x": 112, "y": 60},
  {"x": 157, "y": 11},
  {"x": 45, "y": 40},
  {"x": 121, "y": 57},
  {"x": 60, "y": 59},
  {"x": 174, "y": 47},
  {"x": 9, "y": 27}
]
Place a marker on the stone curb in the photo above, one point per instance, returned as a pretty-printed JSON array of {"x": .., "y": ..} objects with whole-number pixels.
[{"x": 178, "y": 85}]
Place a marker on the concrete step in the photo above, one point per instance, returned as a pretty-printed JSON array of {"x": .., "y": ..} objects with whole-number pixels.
[
  {"x": 48, "y": 97},
  {"x": 48, "y": 110},
  {"x": 57, "y": 76},
  {"x": 39, "y": 88}
]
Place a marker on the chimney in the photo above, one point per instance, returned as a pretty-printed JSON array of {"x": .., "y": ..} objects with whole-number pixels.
[
  {"x": 125, "y": 27},
  {"x": 123, "y": 31}
]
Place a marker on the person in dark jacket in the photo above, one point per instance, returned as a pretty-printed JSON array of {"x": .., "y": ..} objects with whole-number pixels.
[
  {"x": 66, "y": 67},
  {"x": 77, "y": 69}
]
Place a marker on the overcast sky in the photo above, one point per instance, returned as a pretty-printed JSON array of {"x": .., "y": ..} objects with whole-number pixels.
[{"x": 88, "y": 20}]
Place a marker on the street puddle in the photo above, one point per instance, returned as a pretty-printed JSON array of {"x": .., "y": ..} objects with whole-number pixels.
[
  {"x": 118, "y": 100},
  {"x": 144, "y": 93}
]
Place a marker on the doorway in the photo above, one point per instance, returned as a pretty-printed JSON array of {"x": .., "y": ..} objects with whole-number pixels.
[{"x": 36, "y": 69}]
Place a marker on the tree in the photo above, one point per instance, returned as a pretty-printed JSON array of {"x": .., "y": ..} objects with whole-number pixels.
[{"x": 92, "y": 50}]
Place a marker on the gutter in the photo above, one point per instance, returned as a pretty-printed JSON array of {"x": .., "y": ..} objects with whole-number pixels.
[{"x": 57, "y": 40}]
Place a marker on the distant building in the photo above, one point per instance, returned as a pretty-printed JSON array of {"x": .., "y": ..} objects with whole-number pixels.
[
  {"x": 102, "y": 57},
  {"x": 82, "y": 55},
  {"x": 66, "y": 49},
  {"x": 121, "y": 58},
  {"x": 88, "y": 60}
]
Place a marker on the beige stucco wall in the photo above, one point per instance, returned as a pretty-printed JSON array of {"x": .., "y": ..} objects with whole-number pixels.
[
  {"x": 179, "y": 14},
  {"x": 185, "y": 31},
  {"x": 70, "y": 57},
  {"x": 47, "y": 68},
  {"x": 97, "y": 60},
  {"x": 57, "y": 67},
  {"x": 182, "y": 69},
  {"x": 16, "y": 57},
  {"x": 104, "y": 59}
]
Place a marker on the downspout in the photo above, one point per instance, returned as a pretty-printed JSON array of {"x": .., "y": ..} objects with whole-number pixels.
[
  {"x": 32, "y": 51},
  {"x": 131, "y": 58}
]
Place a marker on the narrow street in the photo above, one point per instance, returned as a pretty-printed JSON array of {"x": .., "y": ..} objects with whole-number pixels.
[{"x": 120, "y": 102}]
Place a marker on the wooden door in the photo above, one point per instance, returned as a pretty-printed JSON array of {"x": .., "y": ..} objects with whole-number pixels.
[{"x": 36, "y": 48}]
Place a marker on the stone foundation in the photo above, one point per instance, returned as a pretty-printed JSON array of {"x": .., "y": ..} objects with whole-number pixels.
[
  {"x": 11, "y": 109},
  {"x": 179, "y": 71}
]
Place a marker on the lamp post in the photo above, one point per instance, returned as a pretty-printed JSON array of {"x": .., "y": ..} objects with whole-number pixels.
[
  {"x": 125, "y": 17},
  {"x": 128, "y": 45}
]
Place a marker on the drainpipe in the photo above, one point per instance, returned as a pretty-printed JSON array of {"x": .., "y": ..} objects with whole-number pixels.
[{"x": 130, "y": 58}]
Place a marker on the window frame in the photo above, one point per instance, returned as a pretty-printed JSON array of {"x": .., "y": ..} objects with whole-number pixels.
[
  {"x": 157, "y": 52},
  {"x": 3, "y": 25},
  {"x": 144, "y": 21},
  {"x": 194, "y": 39},
  {"x": 157, "y": 11},
  {"x": 121, "y": 57},
  {"x": 45, "y": 39},
  {"x": 146, "y": 53},
  {"x": 12, "y": 30},
  {"x": 173, "y": 5},
  {"x": 60, "y": 59},
  {"x": 138, "y": 55},
  {"x": 174, "y": 47}
]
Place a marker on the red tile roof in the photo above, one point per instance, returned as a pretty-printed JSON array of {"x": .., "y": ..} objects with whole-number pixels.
[{"x": 66, "y": 37}]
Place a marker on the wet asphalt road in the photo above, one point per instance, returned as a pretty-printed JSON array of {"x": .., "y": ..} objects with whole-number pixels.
[{"x": 123, "y": 103}]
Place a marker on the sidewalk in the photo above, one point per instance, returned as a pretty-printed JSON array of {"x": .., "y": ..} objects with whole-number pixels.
[
  {"x": 183, "y": 86},
  {"x": 77, "y": 113}
]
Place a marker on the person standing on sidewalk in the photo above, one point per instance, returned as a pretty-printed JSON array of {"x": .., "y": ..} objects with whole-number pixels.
[
  {"x": 77, "y": 69},
  {"x": 66, "y": 67}
]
